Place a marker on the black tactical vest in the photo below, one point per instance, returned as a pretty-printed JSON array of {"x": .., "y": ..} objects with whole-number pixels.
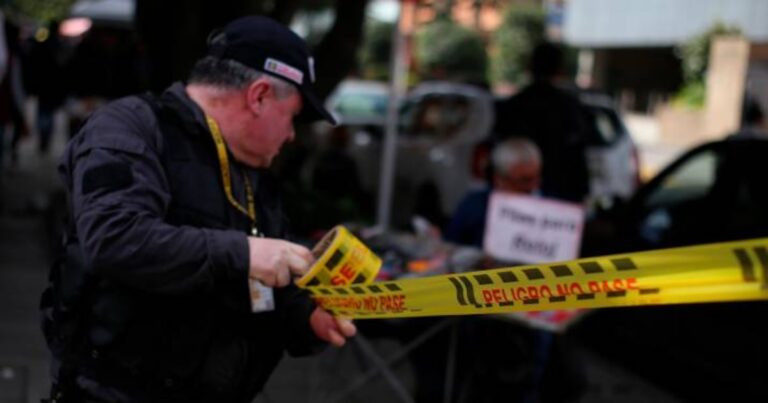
[{"x": 183, "y": 348}]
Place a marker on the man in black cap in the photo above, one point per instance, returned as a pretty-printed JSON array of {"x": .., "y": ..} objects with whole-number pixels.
[{"x": 173, "y": 217}]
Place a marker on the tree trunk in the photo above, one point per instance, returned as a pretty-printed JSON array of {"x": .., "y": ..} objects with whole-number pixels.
[
  {"x": 174, "y": 34},
  {"x": 336, "y": 54}
]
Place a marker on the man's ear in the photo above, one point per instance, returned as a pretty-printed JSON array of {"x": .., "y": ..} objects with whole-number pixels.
[{"x": 256, "y": 94}]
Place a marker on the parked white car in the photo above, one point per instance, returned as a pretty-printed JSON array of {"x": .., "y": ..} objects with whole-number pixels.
[{"x": 612, "y": 156}]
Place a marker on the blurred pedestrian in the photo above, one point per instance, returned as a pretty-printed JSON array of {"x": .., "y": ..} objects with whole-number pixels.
[
  {"x": 172, "y": 215},
  {"x": 553, "y": 119},
  {"x": 753, "y": 121},
  {"x": 12, "y": 94},
  {"x": 516, "y": 168},
  {"x": 516, "y": 370},
  {"x": 47, "y": 80}
]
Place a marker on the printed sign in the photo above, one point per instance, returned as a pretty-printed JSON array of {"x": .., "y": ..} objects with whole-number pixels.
[{"x": 529, "y": 229}]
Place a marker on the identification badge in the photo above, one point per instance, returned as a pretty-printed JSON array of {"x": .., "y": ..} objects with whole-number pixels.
[{"x": 262, "y": 297}]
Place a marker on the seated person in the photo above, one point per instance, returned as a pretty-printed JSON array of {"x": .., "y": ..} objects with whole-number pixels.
[
  {"x": 516, "y": 164},
  {"x": 529, "y": 361}
]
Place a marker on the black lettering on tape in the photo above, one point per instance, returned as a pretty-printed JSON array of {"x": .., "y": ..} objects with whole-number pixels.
[
  {"x": 341, "y": 291},
  {"x": 334, "y": 259},
  {"x": 623, "y": 263},
  {"x": 747, "y": 268},
  {"x": 459, "y": 291},
  {"x": 314, "y": 282},
  {"x": 533, "y": 274},
  {"x": 374, "y": 288},
  {"x": 581, "y": 297},
  {"x": 762, "y": 256},
  {"x": 557, "y": 299},
  {"x": 647, "y": 291},
  {"x": 392, "y": 287},
  {"x": 506, "y": 303},
  {"x": 561, "y": 270},
  {"x": 470, "y": 291},
  {"x": 532, "y": 301},
  {"x": 591, "y": 267},
  {"x": 358, "y": 290},
  {"x": 326, "y": 291},
  {"x": 614, "y": 294},
  {"x": 483, "y": 279},
  {"x": 360, "y": 279},
  {"x": 507, "y": 277}
]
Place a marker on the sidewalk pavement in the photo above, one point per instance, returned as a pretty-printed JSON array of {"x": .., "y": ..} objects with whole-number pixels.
[{"x": 24, "y": 259}]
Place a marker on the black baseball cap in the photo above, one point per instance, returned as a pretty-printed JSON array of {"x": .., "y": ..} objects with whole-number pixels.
[{"x": 268, "y": 46}]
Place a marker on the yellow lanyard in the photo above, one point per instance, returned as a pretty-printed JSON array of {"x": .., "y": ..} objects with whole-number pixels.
[{"x": 221, "y": 150}]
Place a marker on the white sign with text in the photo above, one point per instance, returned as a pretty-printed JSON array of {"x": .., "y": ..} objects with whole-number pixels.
[{"x": 528, "y": 229}]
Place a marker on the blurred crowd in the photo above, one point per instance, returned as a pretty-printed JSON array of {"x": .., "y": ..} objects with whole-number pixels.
[{"x": 45, "y": 69}]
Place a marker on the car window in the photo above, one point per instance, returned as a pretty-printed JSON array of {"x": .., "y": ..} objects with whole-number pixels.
[
  {"x": 692, "y": 180},
  {"x": 605, "y": 124},
  {"x": 361, "y": 105},
  {"x": 434, "y": 116}
]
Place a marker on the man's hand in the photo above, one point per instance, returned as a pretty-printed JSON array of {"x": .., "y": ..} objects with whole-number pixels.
[
  {"x": 330, "y": 329},
  {"x": 273, "y": 261}
]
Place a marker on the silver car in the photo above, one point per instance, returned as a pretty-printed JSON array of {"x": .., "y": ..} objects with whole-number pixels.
[
  {"x": 440, "y": 124},
  {"x": 440, "y": 127}
]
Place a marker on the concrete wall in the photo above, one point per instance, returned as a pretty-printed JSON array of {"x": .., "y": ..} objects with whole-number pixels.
[{"x": 721, "y": 115}]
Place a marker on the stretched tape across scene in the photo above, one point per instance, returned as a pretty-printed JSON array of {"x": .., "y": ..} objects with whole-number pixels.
[{"x": 732, "y": 271}]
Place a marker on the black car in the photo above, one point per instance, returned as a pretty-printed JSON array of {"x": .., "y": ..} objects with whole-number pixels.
[
  {"x": 702, "y": 352},
  {"x": 714, "y": 193}
]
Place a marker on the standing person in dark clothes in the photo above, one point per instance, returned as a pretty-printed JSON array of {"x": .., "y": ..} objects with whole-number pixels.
[
  {"x": 12, "y": 95},
  {"x": 554, "y": 120},
  {"x": 172, "y": 216},
  {"x": 47, "y": 81}
]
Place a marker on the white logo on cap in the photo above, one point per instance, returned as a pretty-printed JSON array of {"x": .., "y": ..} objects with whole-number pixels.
[{"x": 284, "y": 70}]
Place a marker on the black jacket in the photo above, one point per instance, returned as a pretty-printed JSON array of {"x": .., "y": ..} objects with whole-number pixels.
[
  {"x": 157, "y": 261},
  {"x": 554, "y": 120}
]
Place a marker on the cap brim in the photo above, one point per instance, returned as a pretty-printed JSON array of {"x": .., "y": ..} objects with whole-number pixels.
[{"x": 313, "y": 109}]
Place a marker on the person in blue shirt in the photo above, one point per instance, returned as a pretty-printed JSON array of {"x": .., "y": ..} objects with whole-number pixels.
[{"x": 516, "y": 164}]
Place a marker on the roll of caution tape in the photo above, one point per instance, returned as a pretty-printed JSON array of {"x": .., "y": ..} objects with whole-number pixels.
[
  {"x": 341, "y": 259},
  {"x": 733, "y": 271}
]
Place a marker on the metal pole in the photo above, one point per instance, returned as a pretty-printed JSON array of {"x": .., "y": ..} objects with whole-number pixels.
[{"x": 397, "y": 84}]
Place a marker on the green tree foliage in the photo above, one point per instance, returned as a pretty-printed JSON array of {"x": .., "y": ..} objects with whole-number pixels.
[
  {"x": 447, "y": 51},
  {"x": 377, "y": 50},
  {"x": 521, "y": 29},
  {"x": 42, "y": 10},
  {"x": 694, "y": 56},
  {"x": 695, "y": 53}
]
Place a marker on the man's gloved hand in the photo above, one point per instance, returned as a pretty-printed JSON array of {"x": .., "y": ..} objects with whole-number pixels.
[
  {"x": 273, "y": 261},
  {"x": 330, "y": 329}
]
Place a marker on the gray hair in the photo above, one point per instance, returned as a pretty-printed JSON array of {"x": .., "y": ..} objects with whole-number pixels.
[
  {"x": 230, "y": 74},
  {"x": 513, "y": 151}
]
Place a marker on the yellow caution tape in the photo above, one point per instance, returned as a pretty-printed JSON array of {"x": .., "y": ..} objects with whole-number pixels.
[
  {"x": 733, "y": 271},
  {"x": 341, "y": 259}
]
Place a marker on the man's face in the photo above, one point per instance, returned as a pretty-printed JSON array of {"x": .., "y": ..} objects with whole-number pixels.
[
  {"x": 522, "y": 178},
  {"x": 267, "y": 131}
]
